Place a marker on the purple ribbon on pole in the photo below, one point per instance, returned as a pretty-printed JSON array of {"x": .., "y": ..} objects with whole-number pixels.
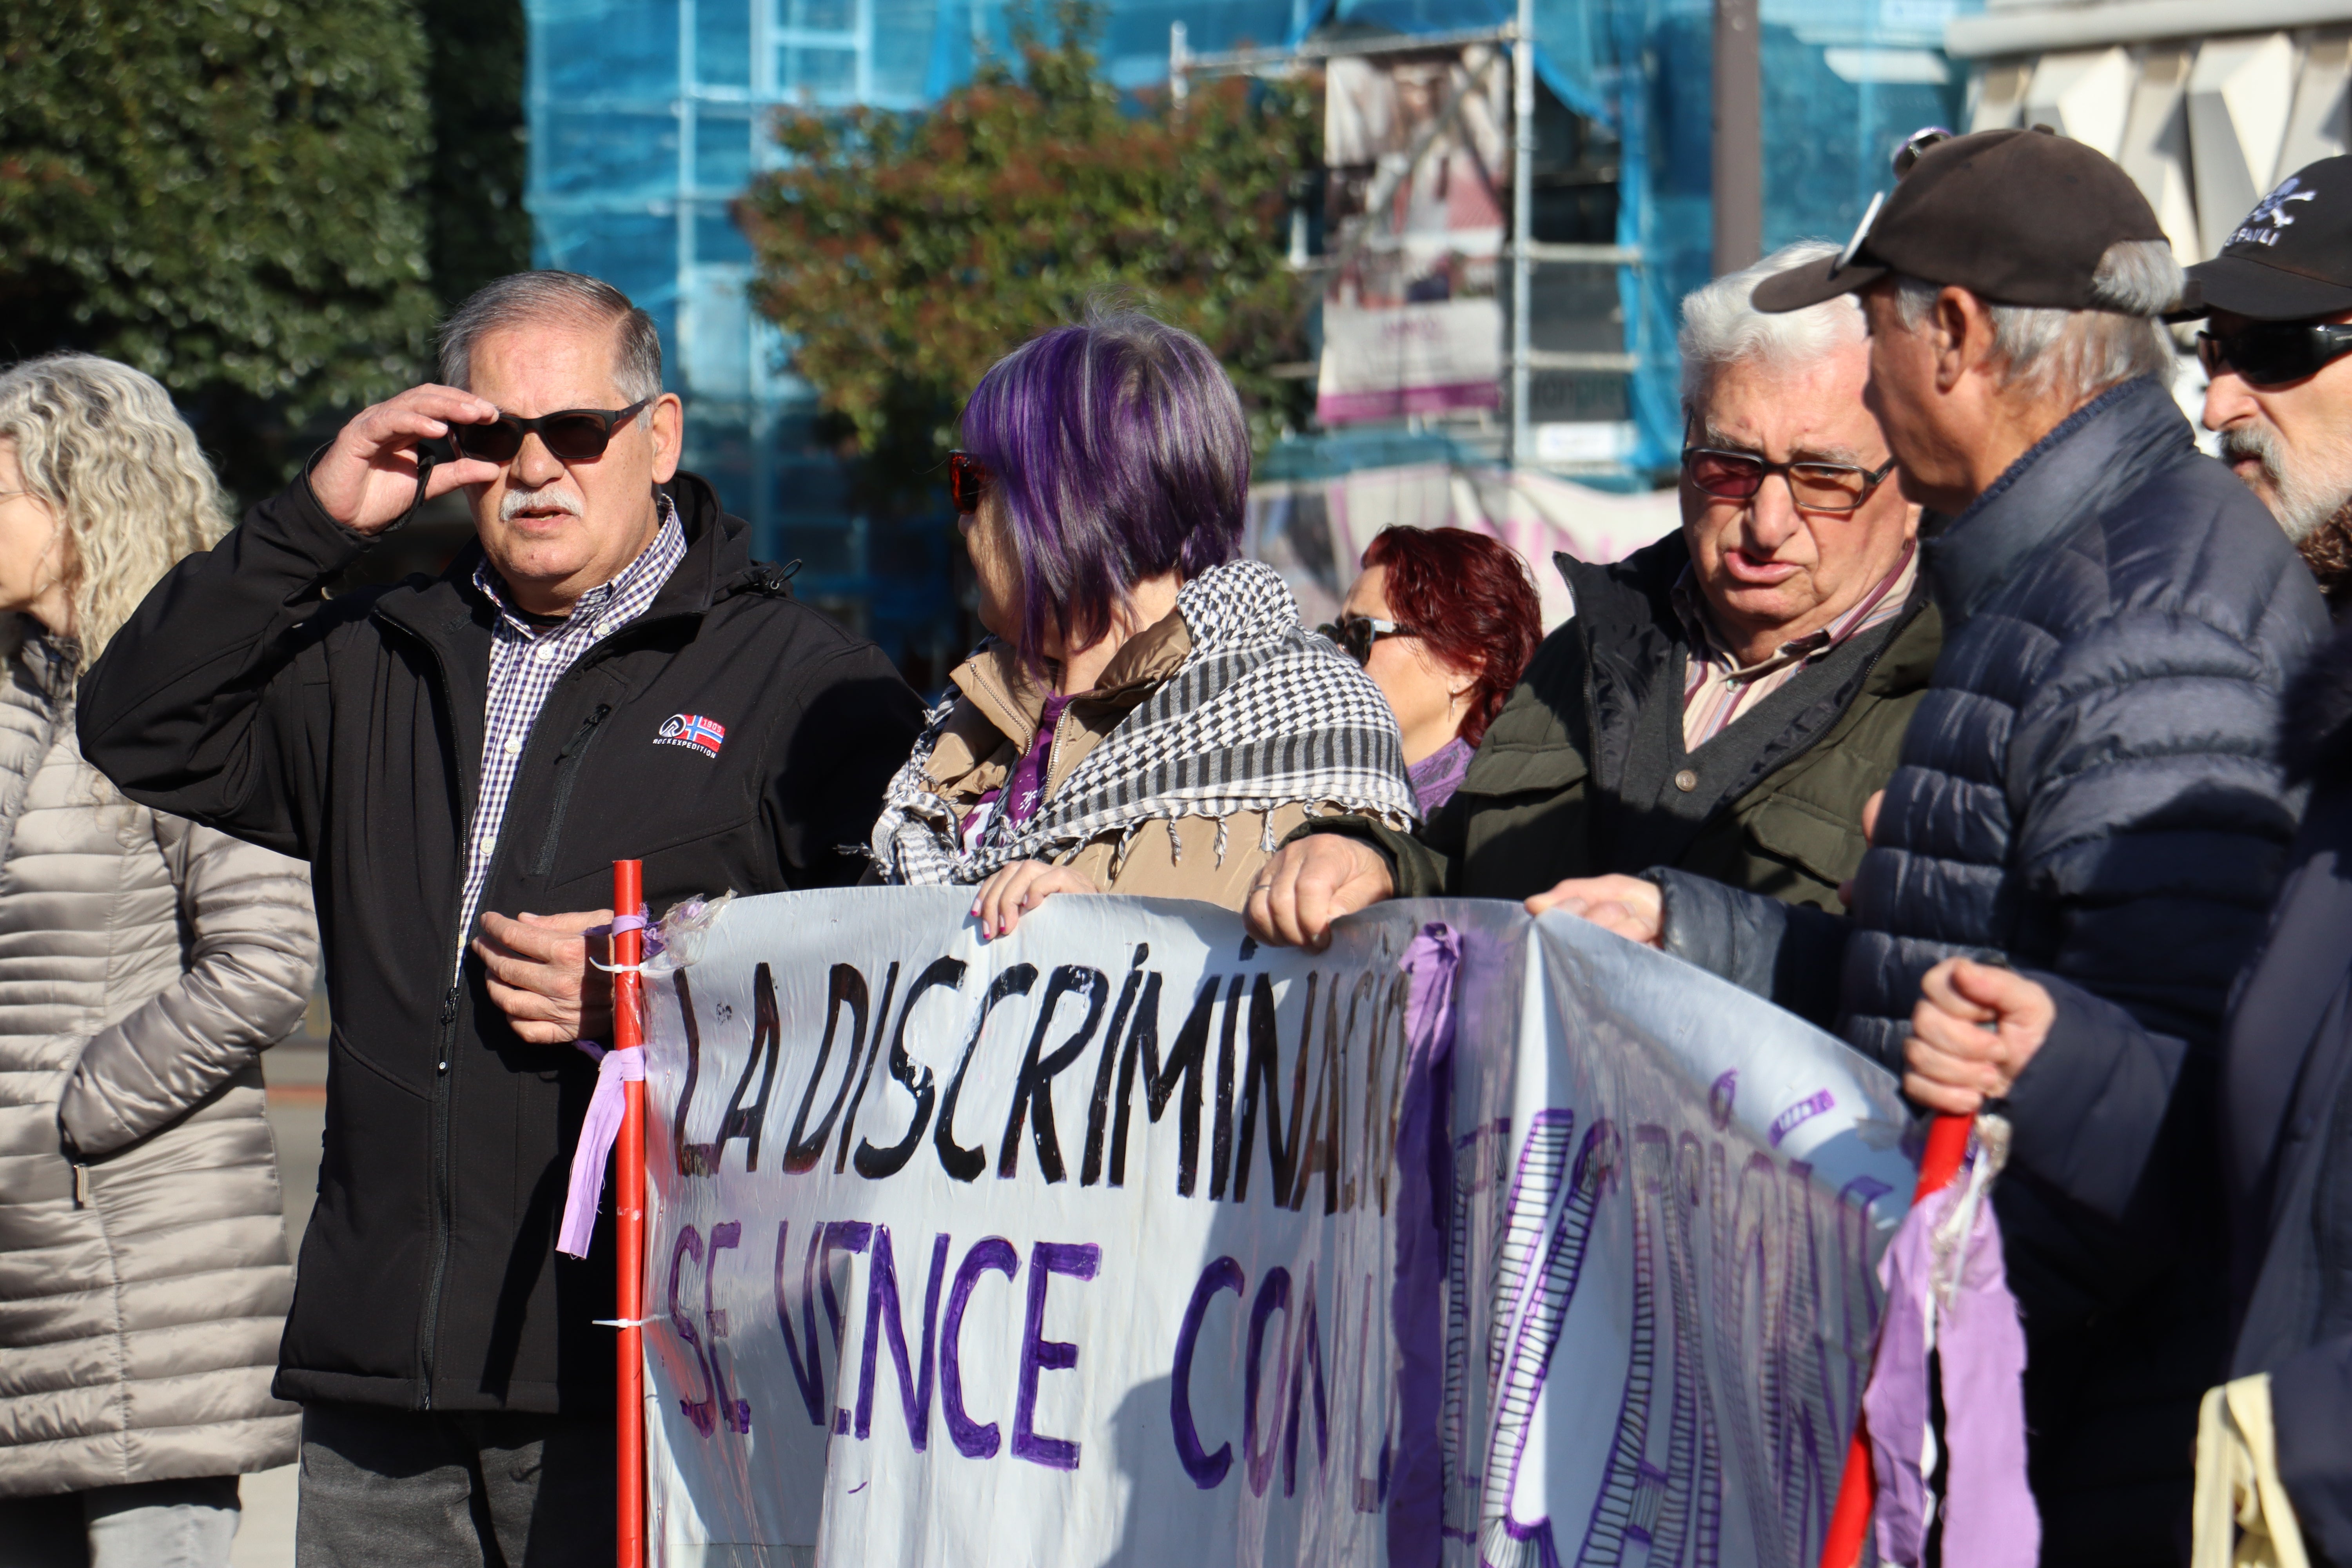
[
  {"x": 599, "y": 1128},
  {"x": 1948, "y": 1292}
]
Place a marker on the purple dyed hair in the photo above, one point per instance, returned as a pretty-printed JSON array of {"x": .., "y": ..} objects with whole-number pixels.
[{"x": 1118, "y": 450}]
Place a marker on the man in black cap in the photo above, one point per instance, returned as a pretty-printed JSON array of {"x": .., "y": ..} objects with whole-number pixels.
[
  {"x": 2090, "y": 788},
  {"x": 2280, "y": 296}
]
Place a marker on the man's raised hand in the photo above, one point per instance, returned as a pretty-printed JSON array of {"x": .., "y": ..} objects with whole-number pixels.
[
  {"x": 367, "y": 480},
  {"x": 1310, "y": 884}
]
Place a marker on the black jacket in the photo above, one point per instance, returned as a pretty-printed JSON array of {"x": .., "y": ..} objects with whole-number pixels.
[
  {"x": 348, "y": 734},
  {"x": 2287, "y": 1133},
  {"x": 1581, "y": 773},
  {"x": 2091, "y": 789}
]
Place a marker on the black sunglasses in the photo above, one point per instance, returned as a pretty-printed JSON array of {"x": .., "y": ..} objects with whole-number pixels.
[
  {"x": 2273, "y": 353},
  {"x": 1357, "y": 634},
  {"x": 967, "y": 477},
  {"x": 572, "y": 435},
  {"x": 1834, "y": 487}
]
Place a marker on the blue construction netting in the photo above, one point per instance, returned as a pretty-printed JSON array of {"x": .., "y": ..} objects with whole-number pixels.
[{"x": 646, "y": 120}]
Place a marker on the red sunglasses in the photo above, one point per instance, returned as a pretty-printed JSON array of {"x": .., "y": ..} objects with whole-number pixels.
[{"x": 967, "y": 477}]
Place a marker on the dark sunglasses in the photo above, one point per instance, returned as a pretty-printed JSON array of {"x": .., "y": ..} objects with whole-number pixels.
[
  {"x": 1837, "y": 488},
  {"x": 1357, "y": 634},
  {"x": 1907, "y": 151},
  {"x": 2275, "y": 352},
  {"x": 572, "y": 435},
  {"x": 967, "y": 477}
]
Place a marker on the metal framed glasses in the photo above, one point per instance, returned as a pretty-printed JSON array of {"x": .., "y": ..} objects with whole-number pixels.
[
  {"x": 2273, "y": 354},
  {"x": 1357, "y": 634},
  {"x": 1833, "y": 488}
]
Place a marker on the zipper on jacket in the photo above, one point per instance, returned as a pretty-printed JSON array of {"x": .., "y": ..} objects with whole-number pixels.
[
  {"x": 568, "y": 763},
  {"x": 81, "y": 1184},
  {"x": 444, "y": 1048}
]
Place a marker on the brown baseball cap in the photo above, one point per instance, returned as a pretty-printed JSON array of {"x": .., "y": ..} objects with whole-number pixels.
[{"x": 2017, "y": 217}]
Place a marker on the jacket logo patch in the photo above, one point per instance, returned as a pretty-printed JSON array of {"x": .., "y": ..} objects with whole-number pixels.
[{"x": 705, "y": 735}]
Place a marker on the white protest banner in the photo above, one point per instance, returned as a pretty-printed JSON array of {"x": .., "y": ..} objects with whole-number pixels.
[{"x": 1124, "y": 1240}]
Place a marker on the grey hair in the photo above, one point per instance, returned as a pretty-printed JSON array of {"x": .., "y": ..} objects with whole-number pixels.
[
  {"x": 2077, "y": 354},
  {"x": 1721, "y": 327},
  {"x": 568, "y": 299},
  {"x": 101, "y": 445}
]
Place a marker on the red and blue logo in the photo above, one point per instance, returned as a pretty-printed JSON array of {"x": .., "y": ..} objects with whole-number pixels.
[{"x": 705, "y": 735}]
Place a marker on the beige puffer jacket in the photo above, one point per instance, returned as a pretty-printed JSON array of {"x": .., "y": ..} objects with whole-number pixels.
[{"x": 145, "y": 963}]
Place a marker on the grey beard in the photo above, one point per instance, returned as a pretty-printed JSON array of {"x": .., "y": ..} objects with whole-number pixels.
[{"x": 2302, "y": 500}]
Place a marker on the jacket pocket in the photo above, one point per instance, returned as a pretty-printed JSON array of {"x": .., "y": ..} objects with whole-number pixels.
[
  {"x": 1824, "y": 847},
  {"x": 568, "y": 763}
]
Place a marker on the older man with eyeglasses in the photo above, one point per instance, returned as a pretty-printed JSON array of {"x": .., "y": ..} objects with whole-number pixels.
[
  {"x": 2092, "y": 789},
  {"x": 605, "y": 674},
  {"x": 1723, "y": 701}
]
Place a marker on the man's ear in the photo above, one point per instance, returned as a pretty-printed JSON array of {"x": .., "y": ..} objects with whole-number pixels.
[
  {"x": 1962, "y": 332},
  {"x": 669, "y": 436}
]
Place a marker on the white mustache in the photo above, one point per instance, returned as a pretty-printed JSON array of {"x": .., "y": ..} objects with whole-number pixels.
[{"x": 541, "y": 499}]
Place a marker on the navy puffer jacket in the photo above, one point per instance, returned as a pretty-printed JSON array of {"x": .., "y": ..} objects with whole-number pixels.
[{"x": 2091, "y": 788}]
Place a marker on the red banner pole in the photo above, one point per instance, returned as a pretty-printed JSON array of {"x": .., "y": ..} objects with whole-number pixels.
[
  {"x": 629, "y": 1194},
  {"x": 1948, "y": 1145}
]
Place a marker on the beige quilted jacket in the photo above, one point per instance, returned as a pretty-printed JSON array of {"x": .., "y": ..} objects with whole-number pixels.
[{"x": 145, "y": 963}]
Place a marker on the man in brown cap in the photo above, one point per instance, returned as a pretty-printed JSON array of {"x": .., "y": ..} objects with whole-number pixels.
[{"x": 2089, "y": 792}]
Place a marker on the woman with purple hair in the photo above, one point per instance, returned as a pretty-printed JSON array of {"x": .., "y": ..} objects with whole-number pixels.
[{"x": 1147, "y": 716}]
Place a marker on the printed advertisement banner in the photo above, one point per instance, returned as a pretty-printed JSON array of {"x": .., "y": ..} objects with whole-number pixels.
[
  {"x": 1474, "y": 1238},
  {"x": 1417, "y": 148}
]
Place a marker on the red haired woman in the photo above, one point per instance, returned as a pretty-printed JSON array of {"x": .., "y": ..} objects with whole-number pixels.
[{"x": 1444, "y": 621}]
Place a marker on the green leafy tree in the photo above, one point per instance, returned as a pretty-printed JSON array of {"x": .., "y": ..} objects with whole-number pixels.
[
  {"x": 474, "y": 185},
  {"x": 224, "y": 194},
  {"x": 905, "y": 253}
]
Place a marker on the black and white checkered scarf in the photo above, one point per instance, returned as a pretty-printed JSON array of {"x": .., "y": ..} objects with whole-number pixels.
[{"x": 1261, "y": 714}]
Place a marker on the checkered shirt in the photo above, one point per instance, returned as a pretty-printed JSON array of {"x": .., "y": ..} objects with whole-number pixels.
[
  {"x": 1717, "y": 688},
  {"x": 526, "y": 661}
]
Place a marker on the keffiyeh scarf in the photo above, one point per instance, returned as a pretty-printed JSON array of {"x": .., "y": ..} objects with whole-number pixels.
[{"x": 1261, "y": 714}]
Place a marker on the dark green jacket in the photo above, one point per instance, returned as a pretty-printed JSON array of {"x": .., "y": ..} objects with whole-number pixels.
[{"x": 1581, "y": 774}]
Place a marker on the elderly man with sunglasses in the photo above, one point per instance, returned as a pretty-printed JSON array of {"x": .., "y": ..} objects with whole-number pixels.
[
  {"x": 2278, "y": 387},
  {"x": 1725, "y": 699},
  {"x": 606, "y": 674}
]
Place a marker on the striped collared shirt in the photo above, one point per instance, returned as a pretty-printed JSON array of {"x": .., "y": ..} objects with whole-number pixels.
[
  {"x": 526, "y": 661},
  {"x": 1718, "y": 689}
]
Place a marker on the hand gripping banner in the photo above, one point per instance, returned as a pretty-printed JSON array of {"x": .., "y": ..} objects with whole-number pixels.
[{"x": 1473, "y": 1240}]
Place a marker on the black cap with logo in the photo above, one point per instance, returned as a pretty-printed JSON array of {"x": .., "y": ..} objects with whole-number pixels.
[
  {"x": 2017, "y": 217},
  {"x": 2292, "y": 258}
]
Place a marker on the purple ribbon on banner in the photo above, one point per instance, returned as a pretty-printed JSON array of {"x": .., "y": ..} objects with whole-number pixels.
[
  {"x": 601, "y": 1126},
  {"x": 1424, "y": 1155}
]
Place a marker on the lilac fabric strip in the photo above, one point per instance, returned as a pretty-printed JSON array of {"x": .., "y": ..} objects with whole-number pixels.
[
  {"x": 600, "y": 1127},
  {"x": 1989, "y": 1519},
  {"x": 1424, "y": 1201}
]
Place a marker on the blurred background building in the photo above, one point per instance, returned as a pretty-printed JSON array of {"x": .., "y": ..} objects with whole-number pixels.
[{"x": 647, "y": 118}]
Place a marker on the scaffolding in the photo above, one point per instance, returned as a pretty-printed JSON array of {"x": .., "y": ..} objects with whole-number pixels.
[{"x": 648, "y": 118}]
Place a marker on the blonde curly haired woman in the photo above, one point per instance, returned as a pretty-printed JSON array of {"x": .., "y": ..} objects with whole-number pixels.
[{"x": 145, "y": 963}]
